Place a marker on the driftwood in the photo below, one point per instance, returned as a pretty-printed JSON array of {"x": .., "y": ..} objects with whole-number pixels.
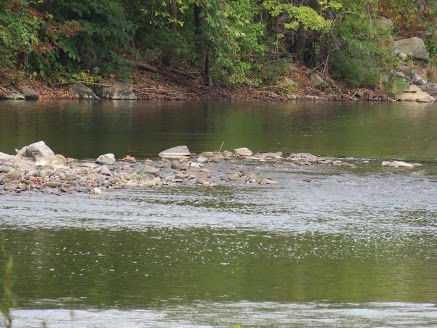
[
  {"x": 141, "y": 65},
  {"x": 83, "y": 82}
]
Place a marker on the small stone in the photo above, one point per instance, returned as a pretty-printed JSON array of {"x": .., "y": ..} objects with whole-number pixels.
[
  {"x": 95, "y": 191},
  {"x": 104, "y": 170},
  {"x": 151, "y": 170},
  {"x": 202, "y": 159},
  {"x": 196, "y": 165},
  {"x": 177, "y": 165},
  {"x": 106, "y": 159},
  {"x": 234, "y": 177},
  {"x": 397, "y": 164},
  {"x": 244, "y": 151}
]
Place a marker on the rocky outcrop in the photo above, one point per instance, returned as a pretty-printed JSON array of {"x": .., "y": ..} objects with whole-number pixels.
[
  {"x": 115, "y": 90},
  {"x": 29, "y": 93},
  {"x": 81, "y": 91},
  {"x": 413, "y": 47},
  {"x": 430, "y": 88},
  {"x": 12, "y": 94},
  {"x": 414, "y": 93}
]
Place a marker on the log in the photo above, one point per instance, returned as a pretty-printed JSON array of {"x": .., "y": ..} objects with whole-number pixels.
[{"x": 141, "y": 65}]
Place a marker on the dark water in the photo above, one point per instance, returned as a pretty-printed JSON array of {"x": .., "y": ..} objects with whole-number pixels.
[
  {"x": 324, "y": 247},
  {"x": 85, "y": 130}
]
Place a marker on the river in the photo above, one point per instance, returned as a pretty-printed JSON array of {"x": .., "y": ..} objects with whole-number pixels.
[{"x": 325, "y": 247}]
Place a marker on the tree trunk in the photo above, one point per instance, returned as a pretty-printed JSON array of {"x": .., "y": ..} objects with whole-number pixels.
[
  {"x": 202, "y": 49},
  {"x": 169, "y": 50}
]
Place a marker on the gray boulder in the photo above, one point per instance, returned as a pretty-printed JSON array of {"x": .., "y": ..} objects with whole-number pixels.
[
  {"x": 39, "y": 154},
  {"x": 317, "y": 80},
  {"x": 14, "y": 95},
  {"x": 175, "y": 152},
  {"x": 106, "y": 159},
  {"x": 430, "y": 88},
  {"x": 36, "y": 151},
  {"x": 413, "y": 47},
  {"x": 29, "y": 93},
  {"x": 81, "y": 91},
  {"x": 116, "y": 91}
]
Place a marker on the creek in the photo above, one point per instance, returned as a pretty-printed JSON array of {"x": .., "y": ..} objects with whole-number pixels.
[{"x": 324, "y": 247}]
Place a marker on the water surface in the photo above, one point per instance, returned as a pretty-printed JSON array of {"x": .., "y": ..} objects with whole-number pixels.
[
  {"x": 325, "y": 247},
  {"x": 87, "y": 129}
]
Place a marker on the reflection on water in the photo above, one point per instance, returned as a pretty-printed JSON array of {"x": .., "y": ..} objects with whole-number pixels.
[
  {"x": 87, "y": 129},
  {"x": 324, "y": 247}
]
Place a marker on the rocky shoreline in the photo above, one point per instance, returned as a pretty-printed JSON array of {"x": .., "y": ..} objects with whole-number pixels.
[{"x": 37, "y": 169}]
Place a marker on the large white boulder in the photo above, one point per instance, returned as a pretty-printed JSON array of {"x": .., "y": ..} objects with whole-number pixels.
[{"x": 175, "y": 152}]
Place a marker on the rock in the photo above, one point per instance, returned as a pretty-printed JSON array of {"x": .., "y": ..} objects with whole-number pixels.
[
  {"x": 106, "y": 159},
  {"x": 317, "y": 80},
  {"x": 268, "y": 156},
  {"x": 116, "y": 90},
  {"x": 398, "y": 164},
  {"x": 413, "y": 47},
  {"x": 95, "y": 191},
  {"x": 6, "y": 157},
  {"x": 178, "y": 165},
  {"x": 304, "y": 157},
  {"x": 104, "y": 170},
  {"x": 35, "y": 151},
  {"x": 234, "y": 176},
  {"x": 202, "y": 159},
  {"x": 196, "y": 165},
  {"x": 430, "y": 88},
  {"x": 175, "y": 152},
  {"x": 81, "y": 91},
  {"x": 151, "y": 170},
  {"x": 29, "y": 93},
  {"x": 385, "y": 24},
  {"x": 14, "y": 95},
  {"x": 414, "y": 93},
  {"x": 202, "y": 174},
  {"x": 244, "y": 151}
]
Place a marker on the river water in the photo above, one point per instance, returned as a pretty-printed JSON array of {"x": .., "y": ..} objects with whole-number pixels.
[{"x": 325, "y": 247}]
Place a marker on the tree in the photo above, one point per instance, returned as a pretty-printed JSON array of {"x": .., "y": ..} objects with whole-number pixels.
[{"x": 18, "y": 32}]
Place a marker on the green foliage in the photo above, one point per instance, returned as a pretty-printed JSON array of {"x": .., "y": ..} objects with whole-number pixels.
[
  {"x": 232, "y": 39},
  {"x": 87, "y": 32},
  {"x": 360, "y": 50},
  {"x": 232, "y": 42},
  {"x": 298, "y": 15},
  {"x": 18, "y": 32},
  {"x": 394, "y": 85}
]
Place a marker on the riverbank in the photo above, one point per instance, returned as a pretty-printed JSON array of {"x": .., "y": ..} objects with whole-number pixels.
[{"x": 299, "y": 83}]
